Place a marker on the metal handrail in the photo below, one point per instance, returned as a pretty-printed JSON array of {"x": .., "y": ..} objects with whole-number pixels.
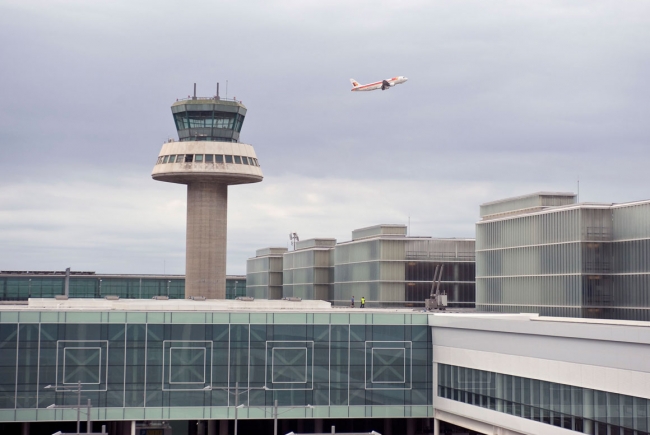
[{"x": 215, "y": 98}]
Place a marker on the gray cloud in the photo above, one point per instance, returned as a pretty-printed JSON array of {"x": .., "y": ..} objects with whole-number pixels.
[{"x": 504, "y": 98}]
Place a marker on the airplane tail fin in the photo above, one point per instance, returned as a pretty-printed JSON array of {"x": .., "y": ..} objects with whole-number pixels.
[{"x": 354, "y": 83}]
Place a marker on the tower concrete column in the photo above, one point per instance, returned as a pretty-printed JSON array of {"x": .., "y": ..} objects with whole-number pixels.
[
  {"x": 436, "y": 426},
  {"x": 207, "y": 228},
  {"x": 24, "y": 428}
]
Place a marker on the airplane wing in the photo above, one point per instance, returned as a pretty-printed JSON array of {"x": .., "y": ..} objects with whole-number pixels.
[{"x": 385, "y": 85}]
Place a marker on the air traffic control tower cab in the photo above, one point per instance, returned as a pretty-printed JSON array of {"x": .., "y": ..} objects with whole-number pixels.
[{"x": 207, "y": 158}]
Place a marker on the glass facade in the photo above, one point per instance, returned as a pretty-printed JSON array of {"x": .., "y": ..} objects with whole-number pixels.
[
  {"x": 308, "y": 272},
  {"x": 574, "y": 408},
  {"x": 398, "y": 271},
  {"x": 580, "y": 261},
  {"x": 19, "y": 287},
  {"x": 181, "y": 365},
  {"x": 380, "y": 264},
  {"x": 208, "y": 119},
  {"x": 264, "y": 274}
]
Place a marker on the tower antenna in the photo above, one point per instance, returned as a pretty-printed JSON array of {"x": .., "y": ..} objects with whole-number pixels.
[
  {"x": 217, "y": 90},
  {"x": 194, "y": 98}
]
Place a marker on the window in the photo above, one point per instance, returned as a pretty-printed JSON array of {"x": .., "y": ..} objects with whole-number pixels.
[
  {"x": 238, "y": 160},
  {"x": 244, "y": 160},
  {"x": 180, "y": 158},
  {"x": 228, "y": 159},
  {"x": 198, "y": 158},
  {"x": 171, "y": 159},
  {"x": 251, "y": 162},
  {"x": 218, "y": 158},
  {"x": 209, "y": 158},
  {"x": 188, "y": 158},
  {"x": 256, "y": 162},
  {"x": 165, "y": 159}
]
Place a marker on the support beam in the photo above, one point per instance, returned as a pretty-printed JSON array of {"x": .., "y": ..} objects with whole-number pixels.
[{"x": 24, "y": 429}]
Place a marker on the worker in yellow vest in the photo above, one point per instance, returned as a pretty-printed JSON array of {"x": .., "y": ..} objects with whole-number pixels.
[{"x": 363, "y": 301}]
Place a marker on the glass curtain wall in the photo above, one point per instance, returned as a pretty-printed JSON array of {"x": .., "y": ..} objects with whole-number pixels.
[
  {"x": 22, "y": 287},
  {"x": 308, "y": 274},
  {"x": 584, "y": 261},
  {"x": 574, "y": 408},
  {"x": 167, "y": 365}
]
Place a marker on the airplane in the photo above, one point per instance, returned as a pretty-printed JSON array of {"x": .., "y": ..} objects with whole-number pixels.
[{"x": 383, "y": 85}]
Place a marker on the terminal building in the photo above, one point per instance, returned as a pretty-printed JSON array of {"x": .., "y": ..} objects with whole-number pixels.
[
  {"x": 22, "y": 285},
  {"x": 545, "y": 253},
  {"x": 194, "y": 365},
  {"x": 381, "y": 263}
]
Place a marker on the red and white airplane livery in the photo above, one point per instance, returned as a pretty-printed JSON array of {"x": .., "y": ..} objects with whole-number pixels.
[{"x": 383, "y": 85}]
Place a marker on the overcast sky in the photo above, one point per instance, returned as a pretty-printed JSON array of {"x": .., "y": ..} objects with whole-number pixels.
[{"x": 504, "y": 98}]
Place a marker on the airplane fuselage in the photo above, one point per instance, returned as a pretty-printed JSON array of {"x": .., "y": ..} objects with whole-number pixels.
[{"x": 383, "y": 85}]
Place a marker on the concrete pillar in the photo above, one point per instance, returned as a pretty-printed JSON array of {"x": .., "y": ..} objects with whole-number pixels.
[
  {"x": 410, "y": 426},
  {"x": 207, "y": 225},
  {"x": 436, "y": 426},
  {"x": 212, "y": 427},
  {"x": 24, "y": 429},
  {"x": 388, "y": 426},
  {"x": 318, "y": 425},
  {"x": 223, "y": 427}
]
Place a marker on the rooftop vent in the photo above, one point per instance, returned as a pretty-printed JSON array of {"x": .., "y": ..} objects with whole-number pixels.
[
  {"x": 245, "y": 298},
  {"x": 292, "y": 299},
  {"x": 160, "y": 298},
  {"x": 61, "y": 297},
  {"x": 197, "y": 298},
  {"x": 112, "y": 298}
]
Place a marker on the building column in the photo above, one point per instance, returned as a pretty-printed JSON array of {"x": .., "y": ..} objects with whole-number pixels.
[
  {"x": 410, "y": 426},
  {"x": 207, "y": 226},
  {"x": 388, "y": 426},
  {"x": 588, "y": 410},
  {"x": 318, "y": 425},
  {"x": 24, "y": 429},
  {"x": 212, "y": 427},
  {"x": 223, "y": 427},
  {"x": 436, "y": 426}
]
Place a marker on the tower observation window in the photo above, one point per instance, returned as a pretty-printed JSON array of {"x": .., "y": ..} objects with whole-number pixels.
[
  {"x": 172, "y": 158},
  {"x": 218, "y": 158},
  {"x": 238, "y": 160},
  {"x": 228, "y": 159},
  {"x": 198, "y": 158},
  {"x": 165, "y": 159},
  {"x": 209, "y": 158},
  {"x": 188, "y": 158},
  {"x": 244, "y": 160}
]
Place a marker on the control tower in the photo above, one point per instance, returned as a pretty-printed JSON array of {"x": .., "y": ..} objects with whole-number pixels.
[{"x": 207, "y": 158}]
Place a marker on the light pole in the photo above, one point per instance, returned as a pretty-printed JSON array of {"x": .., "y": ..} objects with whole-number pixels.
[
  {"x": 236, "y": 393},
  {"x": 275, "y": 411},
  {"x": 78, "y": 406}
]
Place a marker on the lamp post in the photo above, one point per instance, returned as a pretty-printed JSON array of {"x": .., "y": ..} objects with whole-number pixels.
[
  {"x": 275, "y": 412},
  {"x": 236, "y": 393},
  {"x": 77, "y": 406}
]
